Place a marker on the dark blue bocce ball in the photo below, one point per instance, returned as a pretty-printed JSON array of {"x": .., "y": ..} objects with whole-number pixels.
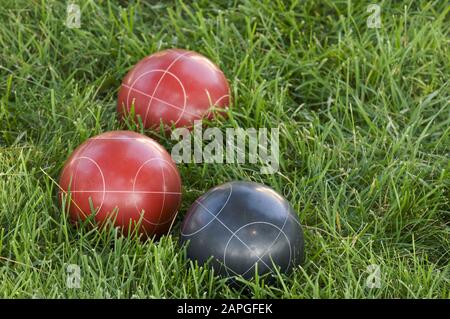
[{"x": 243, "y": 226}]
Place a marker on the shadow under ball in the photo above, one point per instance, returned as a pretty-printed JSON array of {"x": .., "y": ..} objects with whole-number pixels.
[
  {"x": 123, "y": 176},
  {"x": 241, "y": 224},
  {"x": 173, "y": 87}
]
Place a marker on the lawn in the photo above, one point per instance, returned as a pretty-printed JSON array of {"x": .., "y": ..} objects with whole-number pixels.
[{"x": 364, "y": 121}]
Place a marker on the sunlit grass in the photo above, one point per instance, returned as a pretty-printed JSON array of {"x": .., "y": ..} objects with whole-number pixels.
[{"x": 364, "y": 123}]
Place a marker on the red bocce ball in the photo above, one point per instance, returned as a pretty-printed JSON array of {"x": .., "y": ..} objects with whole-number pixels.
[
  {"x": 125, "y": 176},
  {"x": 173, "y": 86}
]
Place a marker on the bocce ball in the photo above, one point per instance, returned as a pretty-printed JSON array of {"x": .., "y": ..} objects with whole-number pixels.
[
  {"x": 124, "y": 177},
  {"x": 241, "y": 225},
  {"x": 173, "y": 87}
]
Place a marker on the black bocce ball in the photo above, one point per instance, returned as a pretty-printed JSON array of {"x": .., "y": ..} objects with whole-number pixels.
[{"x": 241, "y": 225}]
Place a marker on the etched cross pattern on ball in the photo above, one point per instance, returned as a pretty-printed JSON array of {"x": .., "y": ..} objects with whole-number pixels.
[
  {"x": 248, "y": 234},
  {"x": 125, "y": 173},
  {"x": 176, "y": 79}
]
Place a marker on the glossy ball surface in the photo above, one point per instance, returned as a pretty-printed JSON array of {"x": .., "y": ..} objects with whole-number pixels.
[
  {"x": 173, "y": 87},
  {"x": 125, "y": 176},
  {"x": 241, "y": 225}
]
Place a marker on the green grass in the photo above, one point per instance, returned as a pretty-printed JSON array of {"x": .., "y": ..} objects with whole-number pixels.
[{"x": 364, "y": 121}]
